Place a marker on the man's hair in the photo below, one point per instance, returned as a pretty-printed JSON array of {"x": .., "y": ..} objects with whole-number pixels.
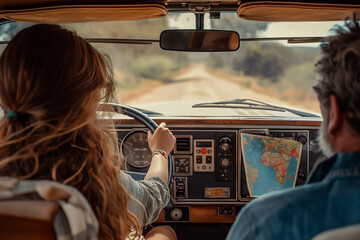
[{"x": 339, "y": 68}]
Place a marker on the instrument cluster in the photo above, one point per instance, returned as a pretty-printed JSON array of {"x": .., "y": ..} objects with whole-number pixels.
[{"x": 208, "y": 166}]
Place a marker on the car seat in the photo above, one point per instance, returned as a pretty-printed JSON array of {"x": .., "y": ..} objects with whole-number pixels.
[
  {"x": 44, "y": 210},
  {"x": 351, "y": 232}
]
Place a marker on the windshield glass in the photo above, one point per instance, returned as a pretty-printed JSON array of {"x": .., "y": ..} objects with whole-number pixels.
[{"x": 170, "y": 82}]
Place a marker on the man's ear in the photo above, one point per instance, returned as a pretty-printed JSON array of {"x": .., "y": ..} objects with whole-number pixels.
[{"x": 335, "y": 118}]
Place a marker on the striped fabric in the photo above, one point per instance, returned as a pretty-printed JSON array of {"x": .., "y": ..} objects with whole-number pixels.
[
  {"x": 147, "y": 197},
  {"x": 75, "y": 220}
]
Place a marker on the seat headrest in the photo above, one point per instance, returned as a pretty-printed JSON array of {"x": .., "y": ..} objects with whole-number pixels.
[{"x": 42, "y": 209}]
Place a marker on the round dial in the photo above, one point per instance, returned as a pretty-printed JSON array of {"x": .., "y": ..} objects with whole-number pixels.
[
  {"x": 136, "y": 150},
  {"x": 225, "y": 144},
  {"x": 225, "y": 162},
  {"x": 302, "y": 139},
  {"x": 176, "y": 214}
]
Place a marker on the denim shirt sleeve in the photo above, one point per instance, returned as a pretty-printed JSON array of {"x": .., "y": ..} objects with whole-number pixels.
[
  {"x": 147, "y": 197},
  {"x": 243, "y": 227}
]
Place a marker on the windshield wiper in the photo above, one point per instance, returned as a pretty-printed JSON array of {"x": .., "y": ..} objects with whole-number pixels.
[{"x": 251, "y": 104}]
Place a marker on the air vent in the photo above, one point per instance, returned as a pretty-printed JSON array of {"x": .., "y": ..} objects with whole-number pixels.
[{"x": 183, "y": 144}]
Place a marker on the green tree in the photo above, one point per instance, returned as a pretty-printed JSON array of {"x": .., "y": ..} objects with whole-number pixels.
[
  {"x": 262, "y": 60},
  {"x": 129, "y": 60},
  {"x": 245, "y": 28},
  {"x": 302, "y": 77},
  {"x": 155, "y": 67}
]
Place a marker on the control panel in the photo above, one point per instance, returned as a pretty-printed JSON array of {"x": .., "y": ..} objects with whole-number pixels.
[
  {"x": 226, "y": 160},
  {"x": 180, "y": 187},
  {"x": 204, "y": 166},
  {"x": 204, "y": 155},
  {"x": 182, "y": 165},
  {"x": 208, "y": 164}
]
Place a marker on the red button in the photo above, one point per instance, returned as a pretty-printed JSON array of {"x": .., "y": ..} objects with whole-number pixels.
[{"x": 203, "y": 151}]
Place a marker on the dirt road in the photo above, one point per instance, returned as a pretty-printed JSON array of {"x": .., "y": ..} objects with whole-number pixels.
[{"x": 197, "y": 83}]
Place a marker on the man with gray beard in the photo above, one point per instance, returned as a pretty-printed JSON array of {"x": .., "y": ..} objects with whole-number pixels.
[{"x": 331, "y": 196}]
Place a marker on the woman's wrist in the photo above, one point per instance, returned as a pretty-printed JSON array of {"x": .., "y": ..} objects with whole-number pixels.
[{"x": 160, "y": 152}]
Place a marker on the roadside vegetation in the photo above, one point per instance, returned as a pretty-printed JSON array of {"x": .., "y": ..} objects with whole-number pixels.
[
  {"x": 134, "y": 64},
  {"x": 285, "y": 72}
]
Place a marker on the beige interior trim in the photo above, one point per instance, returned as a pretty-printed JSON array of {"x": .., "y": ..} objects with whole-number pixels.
[
  {"x": 295, "y": 11},
  {"x": 86, "y": 13},
  {"x": 32, "y": 209}
]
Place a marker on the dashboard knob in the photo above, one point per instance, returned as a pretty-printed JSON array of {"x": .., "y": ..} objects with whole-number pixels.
[
  {"x": 176, "y": 214},
  {"x": 225, "y": 162},
  {"x": 302, "y": 139},
  {"x": 225, "y": 144}
]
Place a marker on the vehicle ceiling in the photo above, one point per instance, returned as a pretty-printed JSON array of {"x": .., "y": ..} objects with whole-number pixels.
[{"x": 66, "y": 11}]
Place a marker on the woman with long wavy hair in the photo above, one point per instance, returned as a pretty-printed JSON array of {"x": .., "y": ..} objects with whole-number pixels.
[{"x": 51, "y": 82}]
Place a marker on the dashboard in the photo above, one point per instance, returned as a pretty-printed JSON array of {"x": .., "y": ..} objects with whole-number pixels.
[{"x": 209, "y": 183}]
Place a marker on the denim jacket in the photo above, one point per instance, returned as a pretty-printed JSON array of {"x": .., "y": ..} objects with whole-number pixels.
[{"x": 329, "y": 199}]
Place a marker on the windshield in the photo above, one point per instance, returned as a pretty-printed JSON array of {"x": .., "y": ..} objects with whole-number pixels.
[{"x": 170, "y": 83}]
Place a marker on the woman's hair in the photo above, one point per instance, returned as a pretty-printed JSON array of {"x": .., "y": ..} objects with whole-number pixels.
[{"x": 53, "y": 80}]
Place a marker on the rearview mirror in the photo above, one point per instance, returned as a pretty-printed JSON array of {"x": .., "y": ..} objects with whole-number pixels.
[{"x": 199, "y": 40}]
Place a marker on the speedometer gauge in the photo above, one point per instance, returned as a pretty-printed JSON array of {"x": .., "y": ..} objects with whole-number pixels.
[{"x": 136, "y": 150}]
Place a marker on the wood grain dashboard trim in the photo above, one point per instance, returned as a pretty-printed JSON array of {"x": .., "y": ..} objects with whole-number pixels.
[
  {"x": 226, "y": 122},
  {"x": 203, "y": 214}
]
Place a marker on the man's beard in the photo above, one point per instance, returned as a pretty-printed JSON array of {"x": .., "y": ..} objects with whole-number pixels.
[{"x": 324, "y": 140}]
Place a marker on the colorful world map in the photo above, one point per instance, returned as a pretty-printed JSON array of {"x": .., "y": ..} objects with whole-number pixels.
[{"x": 270, "y": 163}]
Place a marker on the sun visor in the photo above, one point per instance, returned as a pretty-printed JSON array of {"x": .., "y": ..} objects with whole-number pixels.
[
  {"x": 284, "y": 11},
  {"x": 55, "y": 12}
]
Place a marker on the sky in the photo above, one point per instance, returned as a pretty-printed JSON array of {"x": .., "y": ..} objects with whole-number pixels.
[
  {"x": 275, "y": 29},
  {"x": 300, "y": 29}
]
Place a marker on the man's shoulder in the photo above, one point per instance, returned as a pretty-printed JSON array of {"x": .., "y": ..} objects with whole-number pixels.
[
  {"x": 285, "y": 207},
  {"x": 286, "y": 199},
  {"x": 306, "y": 210},
  {"x": 286, "y": 214},
  {"x": 267, "y": 216}
]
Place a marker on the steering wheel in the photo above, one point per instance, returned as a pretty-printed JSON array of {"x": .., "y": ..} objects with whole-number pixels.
[{"x": 148, "y": 122}]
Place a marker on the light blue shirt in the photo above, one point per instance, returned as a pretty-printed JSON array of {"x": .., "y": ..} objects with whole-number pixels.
[{"x": 330, "y": 199}]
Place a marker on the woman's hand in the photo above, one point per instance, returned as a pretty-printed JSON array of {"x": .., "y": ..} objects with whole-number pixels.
[{"x": 162, "y": 139}]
